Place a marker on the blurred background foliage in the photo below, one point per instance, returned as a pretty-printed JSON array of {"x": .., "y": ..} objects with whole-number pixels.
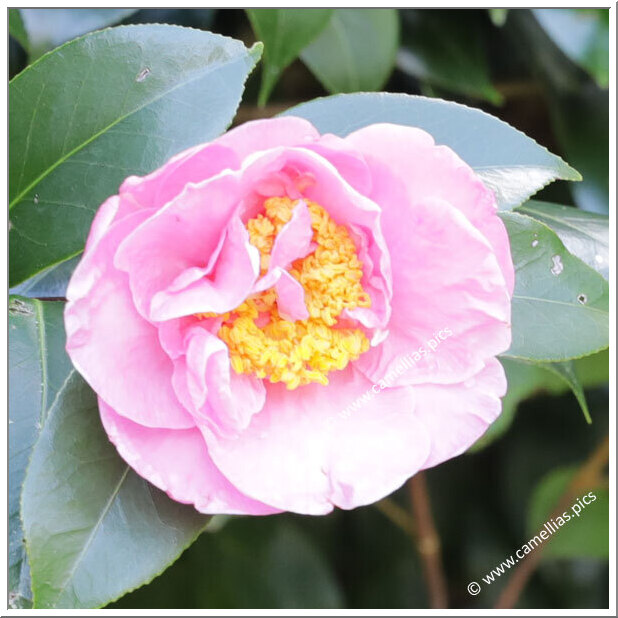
[{"x": 544, "y": 71}]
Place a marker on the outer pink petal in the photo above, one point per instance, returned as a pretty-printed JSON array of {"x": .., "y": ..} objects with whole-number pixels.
[
  {"x": 457, "y": 415},
  {"x": 446, "y": 279},
  {"x": 190, "y": 166},
  {"x": 177, "y": 462},
  {"x": 431, "y": 171},
  {"x": 112, "y": 346},
  {"x": 259, "y": 135},
  {"x": 305, "y": 451}
]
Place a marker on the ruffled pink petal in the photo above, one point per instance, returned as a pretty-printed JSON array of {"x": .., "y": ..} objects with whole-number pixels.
[
  {"x": 294, "y": 240},
  {"x": 349, "y": 163},
  {"x": 112, "y": 346},
  {"x": 450, "y": 306},
  {"x": 309, "y": 450},
  {"x": 343, "y": 203},
  {"x": 112, "y": 210},
  {"x": 226, "y": 286},
  {"x": 431, "y": 171},
  {"x": 183, "y": 235},
  {"x": 188, "y": 167},
  {"x": 290, "y": 294},
  {"x": 457, "y": 415},
  {"x": 177, "y": 462},
  {"x": 208, "y": 387}
]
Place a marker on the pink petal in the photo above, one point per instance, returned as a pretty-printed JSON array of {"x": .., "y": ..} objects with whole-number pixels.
[
  {"x": 210, "y": 389},
  {"x": 309, "y": 451},
  {"x": 294, "y": 239},
  {"x": 227, "y": 286},
  {"x": 181, "y": 236},
  {"x": 431, "y": 171},
  {"x": 191, "y": 166},
  {"x": 290, "y": 294},
  {"x": 457, "y": 415},
  {"x": 112, "y": 346},
  {"x": 177, "y": 462},
  {"x": 269, "y": 133},
  {"x": 450, "y": 306}
]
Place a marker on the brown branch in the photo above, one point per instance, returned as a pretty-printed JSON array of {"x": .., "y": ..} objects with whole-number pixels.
[
  {"x": 589, "y": 475},
  {"x": 428, "y": 542}
]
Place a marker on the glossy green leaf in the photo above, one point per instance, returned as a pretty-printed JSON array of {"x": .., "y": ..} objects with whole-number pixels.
[
  {"x": 560, "y": 307},
  {"x": 17, "y": 29},
  {"x": 49, "y": 28},
  {"x": 111, "y": 104},
  {"x": 253, "y": 563},
  {"x": 584, "y": 234},
  {"x": 285, "y": 33},
  {"x": 94, "y": 528},
  {"x": 38, "y": 366},
  {"x": 582, "y": 35},
  {"x": 446, "y": 49},
  {"x": 583, "y": 535},
  {"x": 356, "y": 51},
  {"x": 510, "y": 163},
  {"x": 593, "y": 370}
]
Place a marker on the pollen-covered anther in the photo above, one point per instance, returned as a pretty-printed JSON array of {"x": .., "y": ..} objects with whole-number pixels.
[{"x": 263, "y": 343}]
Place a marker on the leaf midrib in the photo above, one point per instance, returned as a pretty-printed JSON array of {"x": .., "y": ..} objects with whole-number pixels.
[
  {"x": 92, "y": 534},
  {"x": 120, "y": 119},
  {"x": 561, "y": 302}
]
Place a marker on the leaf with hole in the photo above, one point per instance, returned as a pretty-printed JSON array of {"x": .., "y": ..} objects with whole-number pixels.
[
  {"x": 101, "y": 108},
  {"x": 560, "y": 307},
  {"x": 38, "y": 366},
  {"x": 584, "y": 234}
]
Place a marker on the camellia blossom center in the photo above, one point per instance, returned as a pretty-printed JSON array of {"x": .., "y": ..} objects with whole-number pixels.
[{"x": 262, "y": 342}]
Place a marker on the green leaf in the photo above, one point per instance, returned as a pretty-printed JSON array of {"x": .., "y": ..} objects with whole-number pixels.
[
  {"x": 583, "y": 536},
  {"x": 566, "y": 371},
  {"x": 584, "y": 234},
  {"x": 38, "y": 366},
  {"x": 17, "y": 29},
  {"x": 510, "y": 163},
  {"x": 100, "y": 108},
  {"x": 446, "y": 49},
  {"x": 285, "y": 33},
  {"x": 560, "y": 307},
  {"x": 498, "y": 16},
  {"x": 582, "y": 35},
  {"x": 356, "y": 51},
  {"x": 593, "y": 370},
  {"x": 49, "y": 28},
  {"x": 94, "y": 528}
]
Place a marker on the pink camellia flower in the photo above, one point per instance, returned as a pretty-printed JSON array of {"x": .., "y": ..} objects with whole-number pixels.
[{"x": 283, "y": 320}]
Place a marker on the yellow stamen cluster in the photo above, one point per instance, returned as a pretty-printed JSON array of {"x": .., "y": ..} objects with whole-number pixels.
[{"x": 263, "y": 343}]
